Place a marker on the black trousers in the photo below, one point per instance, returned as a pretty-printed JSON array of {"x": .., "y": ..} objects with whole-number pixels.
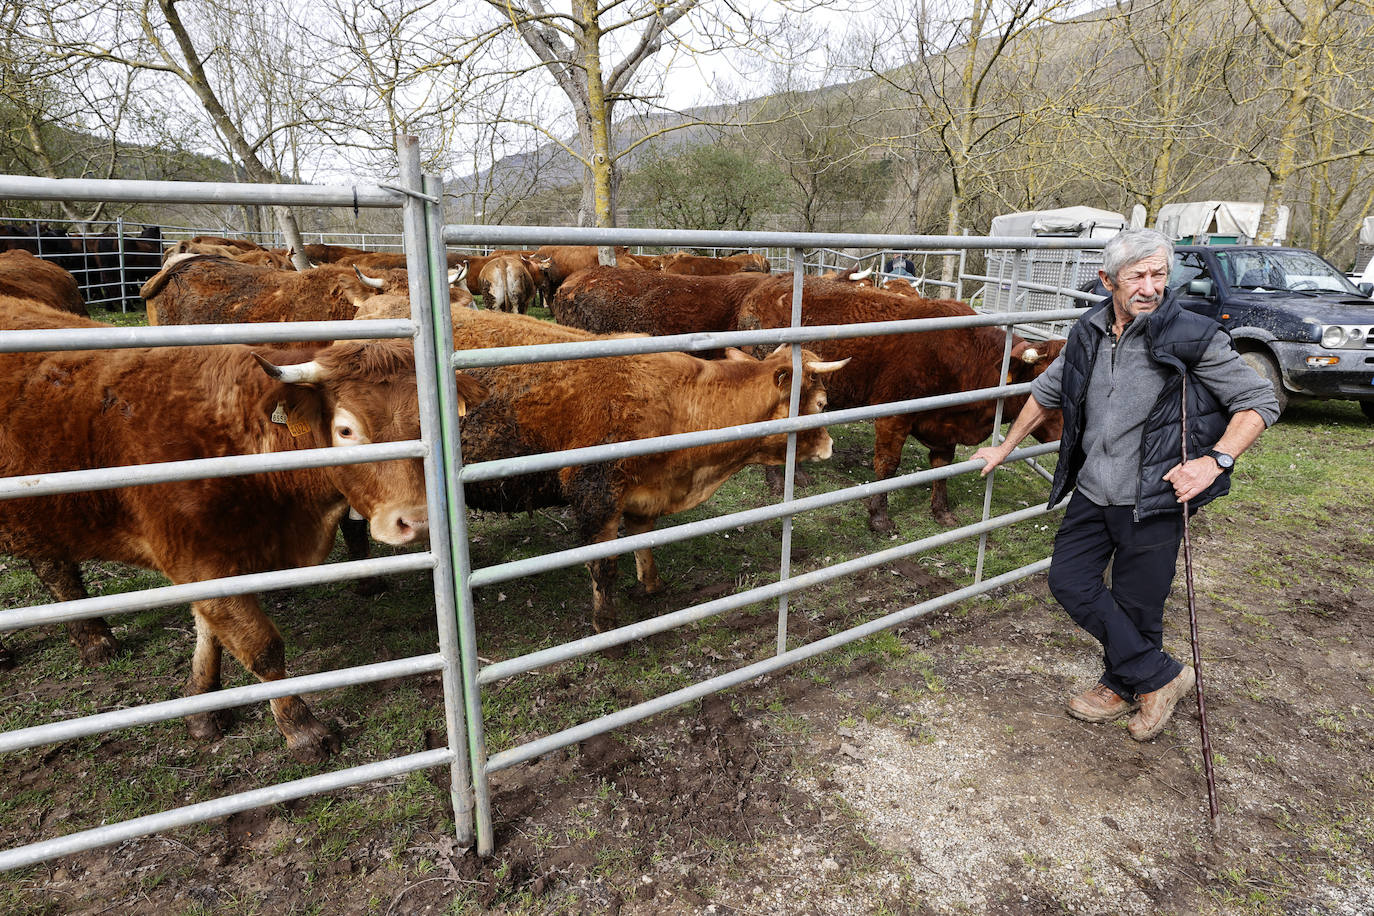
[{"x": 1128, "y": 618}]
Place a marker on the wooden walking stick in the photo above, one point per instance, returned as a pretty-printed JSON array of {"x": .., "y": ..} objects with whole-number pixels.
[{"x": 1213, "y": 810}]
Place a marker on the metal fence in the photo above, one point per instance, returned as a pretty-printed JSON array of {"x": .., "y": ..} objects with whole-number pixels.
[
  {"x": 475, "y": 677},
  {"x": 448, "y": 556},
  {"x": 436, "y": 394}
]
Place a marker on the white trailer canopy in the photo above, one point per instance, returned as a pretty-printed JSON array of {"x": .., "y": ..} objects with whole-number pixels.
[
  {"x": 1081, "y": 222},
  {"x": 1217, "y": 217}
]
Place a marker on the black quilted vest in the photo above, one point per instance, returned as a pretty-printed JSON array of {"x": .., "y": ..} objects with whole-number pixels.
[{"x": 1176, "y": 338}]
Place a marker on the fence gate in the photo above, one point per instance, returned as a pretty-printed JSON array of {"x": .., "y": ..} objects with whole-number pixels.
[
  {"x": 436, "y": 395},
  {"x": 448, "y": 557}
]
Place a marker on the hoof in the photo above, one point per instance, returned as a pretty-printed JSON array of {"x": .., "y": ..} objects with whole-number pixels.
[
  {"x": 205, "y": 726},
  {"x": 641, "y": 590},
  {"x": 312, "y": 744},
  {"x": 372, "y": 585},
  {"x": 881, "y": 524},
  {"x": 98, "y": 651},
  {"x": 947, "y": 519}
]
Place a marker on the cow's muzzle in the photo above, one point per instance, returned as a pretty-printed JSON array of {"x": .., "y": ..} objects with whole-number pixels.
[
  {"x": 820, "y": 447},
  {"x": 398, "y": 526}
]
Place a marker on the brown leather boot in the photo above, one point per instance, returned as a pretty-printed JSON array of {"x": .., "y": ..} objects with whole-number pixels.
[
  {"x": 1158, "y": 705},
  {"x": 1100, "y": 704}
]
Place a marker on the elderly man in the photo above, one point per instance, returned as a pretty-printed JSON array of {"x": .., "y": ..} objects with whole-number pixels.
[{"x": 1119, "y": 382}]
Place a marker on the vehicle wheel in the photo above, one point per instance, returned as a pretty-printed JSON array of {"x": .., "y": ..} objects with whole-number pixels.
[
  {"x": 1368, "y": 408},
  {"x": 1269, "y": 371}
]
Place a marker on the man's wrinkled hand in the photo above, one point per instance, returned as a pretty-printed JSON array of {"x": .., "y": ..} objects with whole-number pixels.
[
  {"x": 993, "y": 455},
  {"x": 1191, "y": 478}
]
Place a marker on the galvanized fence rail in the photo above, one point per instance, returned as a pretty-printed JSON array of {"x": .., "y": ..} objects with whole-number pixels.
[
  {"x": 477, "y": 676},
  {"x": 448, "y": 557},
  {"x": 435, "y": 398}
]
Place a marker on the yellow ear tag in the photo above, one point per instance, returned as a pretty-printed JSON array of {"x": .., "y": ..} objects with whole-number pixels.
[{"x": 296, "y": 426}]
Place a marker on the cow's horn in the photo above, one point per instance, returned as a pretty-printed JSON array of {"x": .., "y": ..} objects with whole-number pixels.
[
  {"x": 861, "y": 275},
  {"x": 1030, "y": 354},
  {"x": 834, "y": 365},
  {"x": 368, "y": 281},
  {"x": 296, "y": 374}
]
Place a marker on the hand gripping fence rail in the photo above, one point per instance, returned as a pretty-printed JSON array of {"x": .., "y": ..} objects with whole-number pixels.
[{"x": 448, "y": 558}]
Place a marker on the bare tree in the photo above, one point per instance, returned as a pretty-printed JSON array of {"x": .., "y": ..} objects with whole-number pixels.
[
  {"x": 604, "y": 59},
  {"x": 242, "y": 66},
  {"x": 1143, "y": 118},
  {"x": 1307, "y": 103}
]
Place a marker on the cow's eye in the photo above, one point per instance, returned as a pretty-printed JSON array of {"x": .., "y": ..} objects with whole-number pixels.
[{"x": 345, "y": 432}]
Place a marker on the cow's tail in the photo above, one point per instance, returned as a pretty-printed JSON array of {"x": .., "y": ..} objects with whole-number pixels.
[{"x": 500, "y": 290}]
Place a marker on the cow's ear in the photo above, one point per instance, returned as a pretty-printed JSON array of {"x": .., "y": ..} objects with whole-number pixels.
[
  {"x": 735, "y": 354},
  {"x": 782, "y": 378},
  {"x": 470, "y": 393}
]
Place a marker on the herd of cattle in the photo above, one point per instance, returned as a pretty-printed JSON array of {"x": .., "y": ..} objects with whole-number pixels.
[
  {"x": 136, "y": 406},
  {"x": 106, "y": 267}
]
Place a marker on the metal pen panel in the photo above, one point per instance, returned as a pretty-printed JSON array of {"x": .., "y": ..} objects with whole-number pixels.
[
  {"x": 197, "y": 468},
  {"x": 227, "y": 698},
  {"x": 199, "y": 334},
  {"x": 19, "y": 187},
  {"x": 429, "y": 303},
  {"x": 166, "y": 596},
  {"x": 648, "y": 708},
  {"x": 515, "y": 569},
  {"x": 499, "y": 236},
  {"x": 646, "y": 628},
  {"x": 715, "y": 340},
  {"x": 548, "y": 461},
  {"x": 221, "y": 807}
]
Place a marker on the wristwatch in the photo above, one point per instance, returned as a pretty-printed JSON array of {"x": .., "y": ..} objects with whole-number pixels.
[{"x": 1223, "y": 460}]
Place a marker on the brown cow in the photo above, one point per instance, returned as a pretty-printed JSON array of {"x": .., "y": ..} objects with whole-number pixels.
[
  {"x": 137, "y": 406},
  {"x": 212, "y": 290},
  {"x": 696, "y": 266},
  {"x": 213, "y": 245},
  {"x": 889, "y": 368},
  {"x": 752, "y": 261},
  {"x": 566, "y": 260},
  {"x": 607, "y": 300},
  {"x": 24, "y": 276},
  {"x": 507, "y": 283},
  {"x": 368, "y": 260},
  {"x": 900, "y": 367},
  {"x": 200, "y": 289},
  {"x": 547, "y": 407},
  {"x": 331, "y": 254},
  {"x": 902, "y": 287}
]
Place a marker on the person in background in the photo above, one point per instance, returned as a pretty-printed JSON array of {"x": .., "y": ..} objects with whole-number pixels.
[
  {"x": 1119, "y": 383},
  {"x": 901, "y": 266}
]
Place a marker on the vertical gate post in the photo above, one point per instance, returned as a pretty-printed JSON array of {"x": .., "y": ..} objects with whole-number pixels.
[
  {"x": 438, "y": 409},
  {"x": 790, "y": 469},
  {"x": 477, "y": 791},
  {"x": 997, "y": 416},
  {"x": 122, "y": 255}
]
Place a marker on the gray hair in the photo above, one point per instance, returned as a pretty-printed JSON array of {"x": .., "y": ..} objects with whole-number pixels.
[{"x": 1131, "y": 245}]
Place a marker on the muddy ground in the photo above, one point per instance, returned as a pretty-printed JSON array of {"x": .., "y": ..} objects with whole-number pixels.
[{"x": 929, "y": 771}]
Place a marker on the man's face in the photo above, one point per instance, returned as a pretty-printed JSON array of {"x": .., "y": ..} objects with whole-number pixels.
[{"x": 1139, "y": 287}]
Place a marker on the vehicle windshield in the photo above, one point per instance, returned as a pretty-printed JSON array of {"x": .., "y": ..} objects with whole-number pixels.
[{"x": 1283, "y": 270}]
